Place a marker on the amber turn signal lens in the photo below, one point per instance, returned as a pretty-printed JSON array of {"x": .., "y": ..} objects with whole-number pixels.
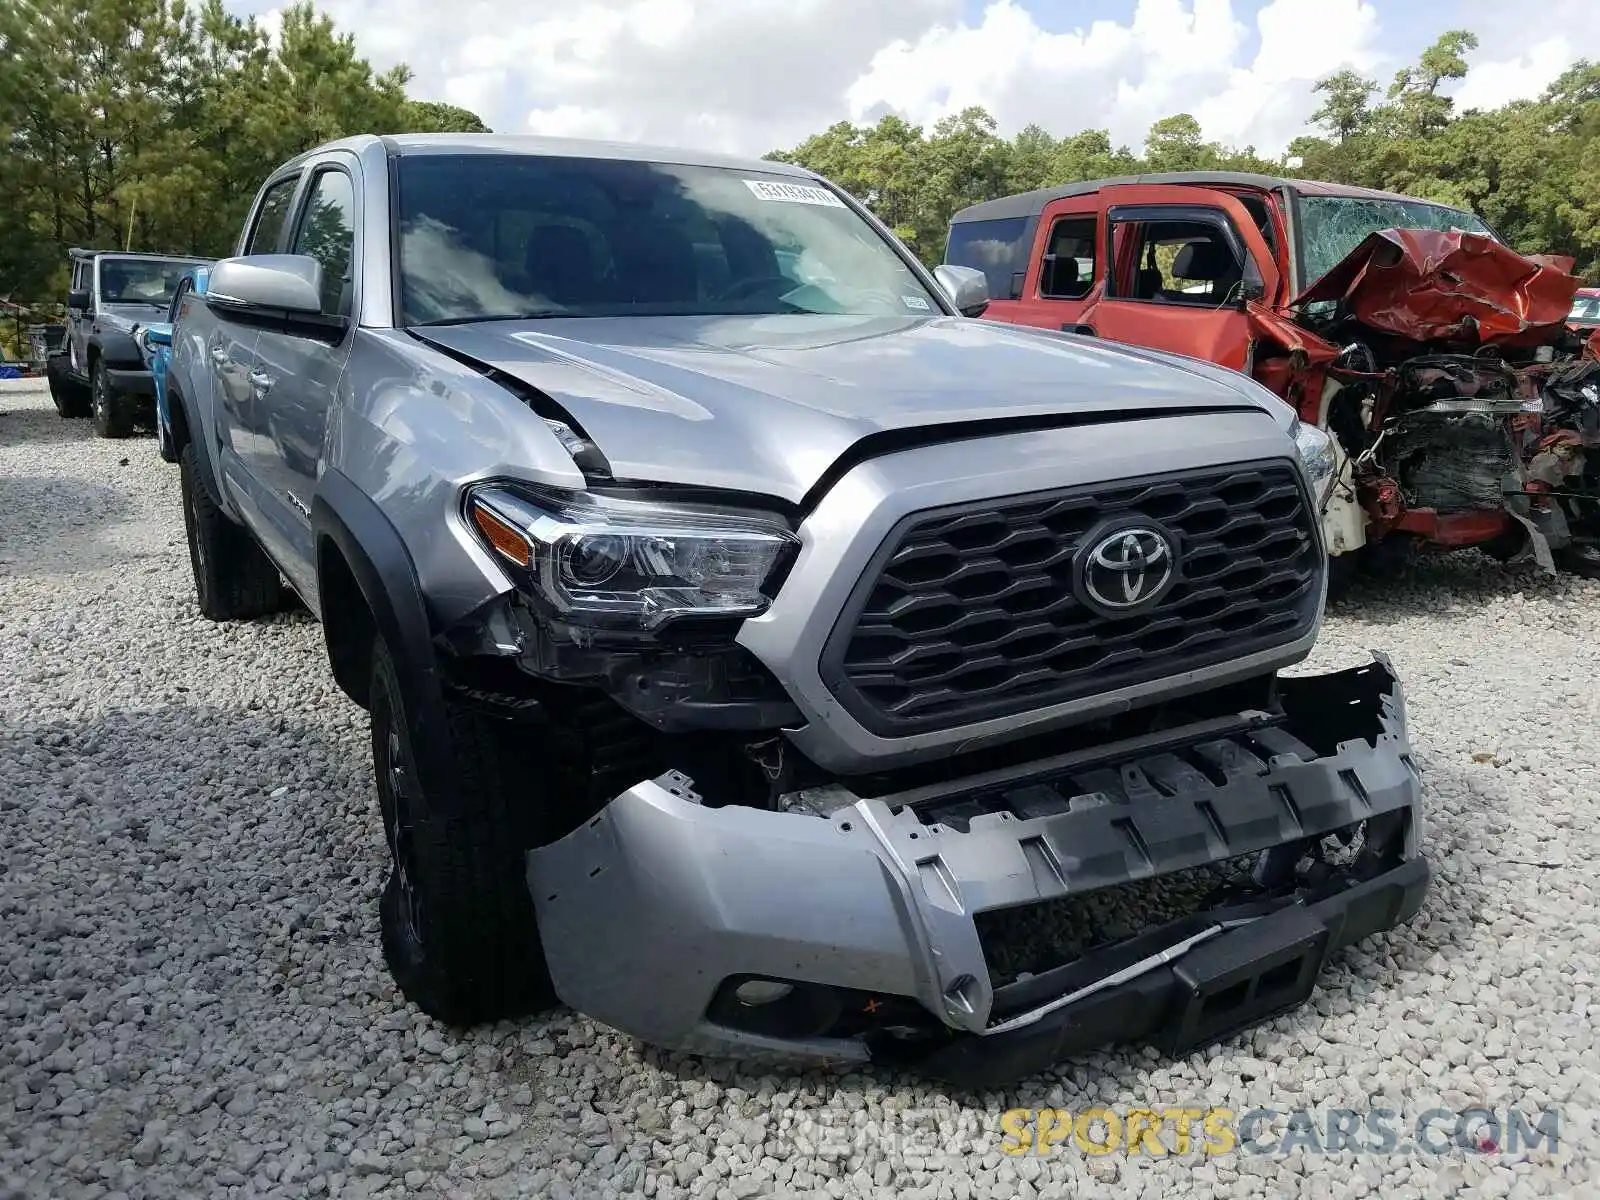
[{"x": 502, "y": 536}]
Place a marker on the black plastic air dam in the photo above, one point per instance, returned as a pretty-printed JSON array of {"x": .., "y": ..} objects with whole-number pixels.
[{"x": 1220, "y": 987}]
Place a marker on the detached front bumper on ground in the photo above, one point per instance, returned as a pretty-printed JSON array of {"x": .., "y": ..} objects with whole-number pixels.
[{"x": 853, "y": 928}]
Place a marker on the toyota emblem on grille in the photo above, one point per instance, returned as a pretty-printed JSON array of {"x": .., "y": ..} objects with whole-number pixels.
[{"x": 1127, "y": 569}]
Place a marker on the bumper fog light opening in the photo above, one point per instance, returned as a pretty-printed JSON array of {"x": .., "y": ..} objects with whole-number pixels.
[
  {"x": 755, "y": 992},
  {"x": 775, "y": 1007}
]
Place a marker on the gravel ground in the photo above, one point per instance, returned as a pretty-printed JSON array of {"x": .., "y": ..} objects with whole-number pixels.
[{"x": 194, "y": 1003}]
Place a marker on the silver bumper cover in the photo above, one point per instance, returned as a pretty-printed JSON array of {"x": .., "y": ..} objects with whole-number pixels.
[{"x": 647, "y": 910}]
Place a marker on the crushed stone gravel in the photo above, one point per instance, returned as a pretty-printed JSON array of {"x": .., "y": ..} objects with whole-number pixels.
[{"x": 194, "y": 1003}]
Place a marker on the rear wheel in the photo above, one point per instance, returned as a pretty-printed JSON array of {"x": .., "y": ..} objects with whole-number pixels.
[
  {"x": 70, "y": 397},
  {"x": 1507, "y": 544},
  {"x": 457, "y": 920},
  {"x": 233, "y": 577},
  {"x": 1582, "y": 560},
  {"x": 112, "y": 411}
]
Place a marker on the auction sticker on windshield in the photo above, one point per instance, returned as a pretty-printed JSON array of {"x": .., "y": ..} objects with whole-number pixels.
[{"x": 793, "y": 193}]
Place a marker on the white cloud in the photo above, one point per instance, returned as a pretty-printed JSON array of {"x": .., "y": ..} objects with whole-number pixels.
[
  {"x": 744, "y": 75},
  {"x": 1269, "y": 103},
  {"x": 754, "y": 75},
  {"x": 1492, "y": 83},
  {"x": 1174, "y": 56},
  {"x": 1521, "y": 52}
]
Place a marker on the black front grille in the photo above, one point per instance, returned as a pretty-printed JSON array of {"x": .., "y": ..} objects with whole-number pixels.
[{"x": 969, "y": 613}]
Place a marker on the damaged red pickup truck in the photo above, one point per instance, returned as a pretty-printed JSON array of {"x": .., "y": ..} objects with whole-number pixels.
[{"x": 1461, "y": 400}]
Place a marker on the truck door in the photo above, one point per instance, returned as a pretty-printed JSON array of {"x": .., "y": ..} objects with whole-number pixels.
[
  {"x": 295, "y": 378},
  {"x": 230, "y": 362},
  {"x": 78, "y": 320},
  {"x": 1062, "y": 273},
  {"x": 1181, "y": 263}
]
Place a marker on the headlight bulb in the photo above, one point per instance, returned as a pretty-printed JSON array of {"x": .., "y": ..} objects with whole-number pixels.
[{"x": 592, "y": 561}]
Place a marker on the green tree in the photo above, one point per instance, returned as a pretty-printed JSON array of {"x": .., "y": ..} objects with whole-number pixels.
[
  {"x": 1415, "y": 105},
  {"x": 1176, "y": 143},
  {"x": 429, "y": 116},
  {"x": 1347, "y": 109},
  {"x": 150, "y": 123}
]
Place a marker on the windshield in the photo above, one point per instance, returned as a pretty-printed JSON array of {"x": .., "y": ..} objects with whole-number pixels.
[
  {"x": 501, "y": 236},
  {"x": 1585, "y": 308},
  {"x": 140, "y": 280},
  {"x": 1332, "y": 226}
]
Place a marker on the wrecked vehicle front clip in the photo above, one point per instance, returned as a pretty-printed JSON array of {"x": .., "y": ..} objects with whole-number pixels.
[{"x": 847, "y": 928}]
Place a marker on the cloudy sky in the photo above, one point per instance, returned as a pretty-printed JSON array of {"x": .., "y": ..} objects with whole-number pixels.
[{"x": 755, "y": 75}]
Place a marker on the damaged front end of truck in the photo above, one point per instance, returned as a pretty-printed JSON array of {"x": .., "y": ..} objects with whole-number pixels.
[
  {"x": 1169, "y": 886},
  {"x": 1466, "y": 407}
]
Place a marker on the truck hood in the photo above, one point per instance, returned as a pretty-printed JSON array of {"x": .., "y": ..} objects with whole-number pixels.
[
  {"x": 768, "y": 403},
  {"x": 129, "y": 318},
  {"x": 1444, "y": 285}
]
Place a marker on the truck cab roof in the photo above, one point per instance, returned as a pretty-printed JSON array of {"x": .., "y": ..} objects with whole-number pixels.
[
  {"x": 80, "y": 252},
  {"x": 1031, "y": 204}
]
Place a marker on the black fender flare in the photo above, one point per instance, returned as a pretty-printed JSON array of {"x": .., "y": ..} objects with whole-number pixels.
[
  {"x": 346, "y": 521},
  {"x": 115, "y": 349},
  {"x": 196, "y": 433}
]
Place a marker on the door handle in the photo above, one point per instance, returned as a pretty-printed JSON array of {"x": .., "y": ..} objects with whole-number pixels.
[{"x": 219, "y": 356}]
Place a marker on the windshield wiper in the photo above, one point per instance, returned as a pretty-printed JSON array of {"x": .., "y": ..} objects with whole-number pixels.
[{"x": 543, "y": 315}]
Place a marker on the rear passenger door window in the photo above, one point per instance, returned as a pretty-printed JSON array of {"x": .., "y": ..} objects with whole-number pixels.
[
  {"x": 1067, "y": 272},
  {"x": 267, "y": 232},
  {"x": 327, "y": 233}
]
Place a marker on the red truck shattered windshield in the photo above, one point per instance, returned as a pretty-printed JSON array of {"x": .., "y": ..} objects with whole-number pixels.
[{"x": 1465, "y": 404}]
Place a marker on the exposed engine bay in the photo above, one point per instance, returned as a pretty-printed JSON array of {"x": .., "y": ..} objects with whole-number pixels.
[{"x": 1468, "y": 410}]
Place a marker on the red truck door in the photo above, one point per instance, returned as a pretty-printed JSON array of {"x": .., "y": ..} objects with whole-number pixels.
[
  {"x": 1065, "y": 268},
  {"x": 1181, "y": 261}
]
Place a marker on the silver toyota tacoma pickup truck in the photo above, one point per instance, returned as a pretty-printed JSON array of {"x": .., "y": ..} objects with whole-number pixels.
[{"x": 752, "y": 641}]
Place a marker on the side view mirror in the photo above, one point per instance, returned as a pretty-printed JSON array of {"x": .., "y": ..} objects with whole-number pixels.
[
  {"x": 1251, "y": 287},
  {"x": 273, "y": 285},
  {"x": 158, "y": 337},
  {"x": 79, "y": 300},
  {"x": 967, "y": 287}
]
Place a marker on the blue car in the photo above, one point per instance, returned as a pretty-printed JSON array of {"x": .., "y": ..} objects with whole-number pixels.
[{"x": 155, "y": 342}]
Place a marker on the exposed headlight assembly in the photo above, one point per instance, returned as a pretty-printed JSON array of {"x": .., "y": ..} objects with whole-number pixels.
[
  {"x": 1316, "y": 453},
  {"x": 628, "y": 564}
]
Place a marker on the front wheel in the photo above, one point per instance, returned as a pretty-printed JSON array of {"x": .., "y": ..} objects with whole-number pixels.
[
  {"x": 112, "y": 411},
  {"x": 457, "y": 921},
  {"x": 70, "y": 398}
]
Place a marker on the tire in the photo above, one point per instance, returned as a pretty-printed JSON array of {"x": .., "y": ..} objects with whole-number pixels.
[
  {"x": 233, "y": 577},
  {"x": 457, "y": 921},
  {"x": 1342, "y": 572},
  {"x": 1582, "y": 561},
  {"x": 164, "y": 443},
  {"x": 71, "y": 399},
  {"x": 1503, "y": 547},
  {"x": 111, "y": 411}
]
